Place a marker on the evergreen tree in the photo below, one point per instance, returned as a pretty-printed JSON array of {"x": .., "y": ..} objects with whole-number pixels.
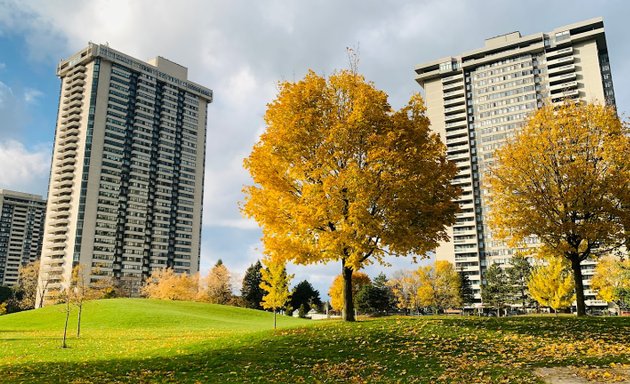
[
  {"x": 495, "y": 291},
  {"x": 304, "y": 295},
  {"x": 251, "y": 292},
  {"x": 465, "y": 290},
  {"x": 377, "y": 297},
  {"x": 518, "y": 274}
]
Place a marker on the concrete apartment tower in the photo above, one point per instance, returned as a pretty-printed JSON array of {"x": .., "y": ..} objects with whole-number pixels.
[
  {"x": 126, "y": 185},
  {"x": 21, "y": 232},
  {"x": 477, "y": 100}
]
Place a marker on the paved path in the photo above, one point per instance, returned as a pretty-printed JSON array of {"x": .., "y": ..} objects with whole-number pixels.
[{"x": 568, "y": 375}]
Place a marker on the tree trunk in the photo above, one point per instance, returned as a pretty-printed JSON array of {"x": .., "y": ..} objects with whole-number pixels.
[
  {"x": 274, "y": 318},
  {"x": 79, "y": 321},
  {"x": 65, "y": 327},
  {"x": 579, "y": 285},
  {"x": 348, "y": 305}
]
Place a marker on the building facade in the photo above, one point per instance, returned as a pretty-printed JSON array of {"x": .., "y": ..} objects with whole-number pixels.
[
  {"x": 126, "y": 185},
  {"x": 21, "y": 232},
  {"x": 479, "y": 99}
]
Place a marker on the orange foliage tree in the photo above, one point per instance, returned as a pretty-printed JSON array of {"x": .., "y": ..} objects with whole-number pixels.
[
  {"x": 339, "y": 176},
  {"x": 216, "y": 287},
  {"x": 564, "y": 178},
  {"x": 165, "y": 284}
]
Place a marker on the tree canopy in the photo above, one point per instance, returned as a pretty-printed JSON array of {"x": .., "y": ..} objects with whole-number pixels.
[
  {"x": 495, "y": 290},
  {"x": 336, "y": 290},
  {"x": 275, "y": 282},
  {"x": 439, "y": 286},
  {"x": 612, "y": 280},
  {"x": 216, "y": 287},
  {"x": 339, "y": 176},
  {"x": 377, "y": 297},
  {"x": 551, "y": 285},
  {"x": 564, "y": 178},
  {"x": 304, "y": 295},
  {"x": 251, "y": 292}
]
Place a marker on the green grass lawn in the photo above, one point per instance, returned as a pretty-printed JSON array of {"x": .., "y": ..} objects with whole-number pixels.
[{"x": 139, "y": 340}]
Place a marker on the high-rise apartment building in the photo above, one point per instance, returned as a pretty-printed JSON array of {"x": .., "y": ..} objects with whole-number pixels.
[
  {"x": 126, "y": 185},
  {"x": 21, "y": 230},
  {"x": 479, "y": 99}
]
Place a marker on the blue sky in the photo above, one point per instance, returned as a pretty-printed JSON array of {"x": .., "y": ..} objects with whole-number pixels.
[{"x": 241, "y": 49}]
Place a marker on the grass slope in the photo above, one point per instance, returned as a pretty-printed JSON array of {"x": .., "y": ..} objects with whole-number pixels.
[{"x": 136, "y": 340}]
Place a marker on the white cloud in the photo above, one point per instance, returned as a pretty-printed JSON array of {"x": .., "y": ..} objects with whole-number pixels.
[
  {"x": 31, "y": 95},
  {"x": 3, "y": 66},
  {"x": 6, "y": 93},
  {"x": 24, "y": 170},
  {"x": 241, "y": 49}
]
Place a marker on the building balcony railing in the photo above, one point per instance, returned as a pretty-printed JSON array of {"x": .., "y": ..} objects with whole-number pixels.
[
  {"x": 561, "y": 70},
  {"x": 559, "y": 61},
  {"x": 559, "y": 52}
]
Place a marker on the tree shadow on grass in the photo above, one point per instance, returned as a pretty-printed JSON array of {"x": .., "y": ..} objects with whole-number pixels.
[{"x": 288, "y": 356}]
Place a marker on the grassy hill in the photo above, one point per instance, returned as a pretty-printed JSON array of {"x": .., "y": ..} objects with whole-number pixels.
[{"x": 139, "y": 340}]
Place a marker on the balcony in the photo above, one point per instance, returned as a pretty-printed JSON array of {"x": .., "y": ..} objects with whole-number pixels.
[
  {"x": 561, "y": 70},
  {"x": 452, "y": 86},
  {"x": 457, "y": 108},
  {"x": 449, "y": 79},
  {"x": 563, "y": 86},
  {"x": 562, "y": 78},
  {"x": 560, "y": 61},
  {"x": 559, "y": 53},
  {"x": 458, "y": 116},
  {"x": 459, "y": 156},
  {"x": 453, "y": 94},
  {"x": 456, "y": 125},
  {"x": 558, "y": 97},
  {"x": 455, "y": 101}
]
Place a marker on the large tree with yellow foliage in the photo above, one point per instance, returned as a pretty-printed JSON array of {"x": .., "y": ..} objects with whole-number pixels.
[
  {"x": 439, "y": 286},
  {"x": 339, "y": 176},
  {"x": 564, "y": 178}
]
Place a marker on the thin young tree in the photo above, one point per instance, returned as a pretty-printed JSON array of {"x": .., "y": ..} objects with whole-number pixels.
[
  {"x": 275, "y": 281},
  {"x": 65, "y": 297},
  {"x": 339, "y": 176},
  {"x": 81, "y": 292}
]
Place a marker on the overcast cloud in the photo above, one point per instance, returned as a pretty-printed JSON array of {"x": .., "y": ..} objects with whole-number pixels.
[{"x": 241, "y": 49}]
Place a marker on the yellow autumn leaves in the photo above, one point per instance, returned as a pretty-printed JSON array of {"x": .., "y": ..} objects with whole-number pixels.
[
  {"x": 565, "y": 178},
  {"x": 339, "y": 176}
]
